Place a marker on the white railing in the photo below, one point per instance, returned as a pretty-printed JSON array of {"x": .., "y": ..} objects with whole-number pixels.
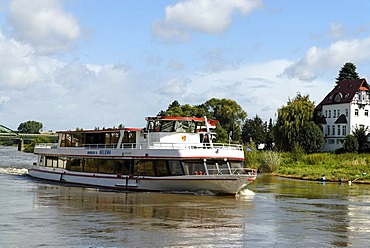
[
  {"x": 161, "y": 145},
  {"x": 46, "y": 145},
  {"x": 152, "y": 145},
  {"x": 232, "y": 171}
]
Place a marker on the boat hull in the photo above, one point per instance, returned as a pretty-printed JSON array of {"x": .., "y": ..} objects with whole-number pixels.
[{"x": 218, "y": 184}]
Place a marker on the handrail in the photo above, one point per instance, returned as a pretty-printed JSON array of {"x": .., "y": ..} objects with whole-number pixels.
[{"x": 152, "y": 145}]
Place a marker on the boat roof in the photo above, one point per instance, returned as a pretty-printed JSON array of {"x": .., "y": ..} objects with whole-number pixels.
[
  {"x": 179, "y": 118},
  {"x": 106, "y": 130}
]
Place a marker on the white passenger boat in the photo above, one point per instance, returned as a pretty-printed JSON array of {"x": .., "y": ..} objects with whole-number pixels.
[{"x": 172, "y": 154}]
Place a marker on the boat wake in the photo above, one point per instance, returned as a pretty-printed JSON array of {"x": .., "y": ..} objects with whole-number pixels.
[{"x": 13, "y": 171}]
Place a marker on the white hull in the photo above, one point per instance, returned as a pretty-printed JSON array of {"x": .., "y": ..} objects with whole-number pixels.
[
  {"x": 170, "y": 154},
  {"x": 228, "y": 184}
]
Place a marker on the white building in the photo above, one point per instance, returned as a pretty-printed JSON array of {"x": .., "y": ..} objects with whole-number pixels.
[{"x": 346, "y": 107}]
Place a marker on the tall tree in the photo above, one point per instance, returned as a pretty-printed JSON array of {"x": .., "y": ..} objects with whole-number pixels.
[
  {"x": 269, "y": 136},
  {"x": 347, "y": 72},
  {"x": 291, "y": 120},
  {"x": 32, "y": 127},
  {"x": 230, "y": 115},
  {"x": 310, "y": 137},
  {"x": 254, "y": 129}
]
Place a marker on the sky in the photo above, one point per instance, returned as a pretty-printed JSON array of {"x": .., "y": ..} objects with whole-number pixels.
[{"x": 87, "y": 64}]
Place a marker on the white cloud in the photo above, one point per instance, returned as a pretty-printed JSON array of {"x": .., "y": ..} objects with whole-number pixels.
[
  {"x": 4, "y": 99},
  {"x": 207, "y": 16},
  {"x": 18, "y": 64},
  {"x": 317, "y": 60},
  {"x": 44, "y": 25},
  {"x": 258, "y": 88}
]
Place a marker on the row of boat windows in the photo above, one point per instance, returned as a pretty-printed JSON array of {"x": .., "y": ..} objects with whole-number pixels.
[
  {"x": 173, "y": 126},
  {"x": 141, "y": 167},
  {"x": 83, "y": 139}
]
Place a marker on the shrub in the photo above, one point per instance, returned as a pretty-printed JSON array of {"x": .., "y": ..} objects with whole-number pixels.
[{"x": 269, "y": 161}]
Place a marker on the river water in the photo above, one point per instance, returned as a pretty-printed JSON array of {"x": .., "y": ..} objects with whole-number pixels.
[{"x": 281, "y": 213}]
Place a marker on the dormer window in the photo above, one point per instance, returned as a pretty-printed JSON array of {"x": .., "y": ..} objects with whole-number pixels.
[
  {"x": 331, "y": 97},
  {"x": 346, "y": 95}
]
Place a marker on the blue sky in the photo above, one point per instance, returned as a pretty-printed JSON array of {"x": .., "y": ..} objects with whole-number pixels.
[{"x": 75, "y": 63}]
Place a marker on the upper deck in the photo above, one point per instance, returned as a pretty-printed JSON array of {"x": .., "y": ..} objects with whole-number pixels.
[{"x": 161, "y": 133}]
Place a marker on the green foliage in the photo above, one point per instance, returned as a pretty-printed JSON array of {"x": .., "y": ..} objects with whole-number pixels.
[
  {"x": 31, "y": 127},
  {"x": 297, "y": 152},
  {"x": 350, "y": 144},
  {"x": 251, "y": 155},
  {"x": 291, "y": 121},
  {"x": 229, "y": 114},
  {"x": 269, "y": 136},
  {"x": 269, "y": 161},
  {"x": 347, "y": 72},
  {"x": 360, "y": 134},
  {"x": 254, "y": 129},
  {"x": 347, "y": 166},
  {"x": 310, "y": 137},
  {"x": 30, "y": 147}
]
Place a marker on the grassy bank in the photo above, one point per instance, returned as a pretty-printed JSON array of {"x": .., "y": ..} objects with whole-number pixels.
[{"x": 335, "y": 167}]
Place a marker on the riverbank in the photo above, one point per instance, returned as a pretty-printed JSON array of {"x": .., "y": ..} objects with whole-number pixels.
[{"x": 326, "y": 166}]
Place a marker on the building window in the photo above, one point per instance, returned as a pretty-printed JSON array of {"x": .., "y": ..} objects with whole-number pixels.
[
  {"x": 329, "y": 113},
  {"x": 366, "y": 112},
  {"x": 344, "y": 130},
  {"x": 338, "y": 130},
  {"x": 338, "y": 112},
  {"x": 335, "y": 113},
  {"x": 328, "y": 132},
  {"x": 333, "y": 130},
  {"x": 346, "y": 112},
  {"x": 326, "y": 113},
  {"x": 356, "y": 112}
]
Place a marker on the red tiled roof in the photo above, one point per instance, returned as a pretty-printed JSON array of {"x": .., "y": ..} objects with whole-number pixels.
[{"x": 344, "y": 92}]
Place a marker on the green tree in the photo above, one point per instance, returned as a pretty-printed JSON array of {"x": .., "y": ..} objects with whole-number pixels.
[
  {"x": 30, "y": 147},
  {"x": 347, "y": 72},
  {"x": 359, "y": 133},
  {"x": 32, "y": 127},
  {"x": 230, "y": 115},
  {"x": 310, "y": 137},
  {"x": 291, "y": 120},
  {"x": 254, "y": 129},
  {"x": 350, "y": 144},
  {"x": 270, "y": 136}
]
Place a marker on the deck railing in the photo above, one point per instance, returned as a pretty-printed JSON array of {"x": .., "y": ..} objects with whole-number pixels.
[{"x": 152, "y": 145}]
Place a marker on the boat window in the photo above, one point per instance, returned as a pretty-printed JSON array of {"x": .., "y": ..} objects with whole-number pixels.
[
  {"x": 106, "y": 166},
  {"x": 185, "y": 127},
  {"x": 74, "y": 164},
  {"x": 143, "y": 168},
  {"x": 66, "y": 140},
  {"x": 162, "y": 168},
  {"x": 212, "y": 168},
  {"x": 122, "y": 167},
  {"x": 91, "y": 165},
  {"x": 129, "y": 138},
  {"x": 194, "y": 168},
  {"x": 167, "y": 126},
  {"x": 237, "y": 167},
  {"x": 176, "y": 168},
  {"x": 77, "y": 139}
]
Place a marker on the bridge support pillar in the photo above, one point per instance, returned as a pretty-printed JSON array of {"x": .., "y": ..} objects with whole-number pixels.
[{"x": 20, "y": 144}]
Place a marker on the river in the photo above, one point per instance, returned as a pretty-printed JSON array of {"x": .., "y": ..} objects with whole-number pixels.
[{"x": 281, "y": 213}]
